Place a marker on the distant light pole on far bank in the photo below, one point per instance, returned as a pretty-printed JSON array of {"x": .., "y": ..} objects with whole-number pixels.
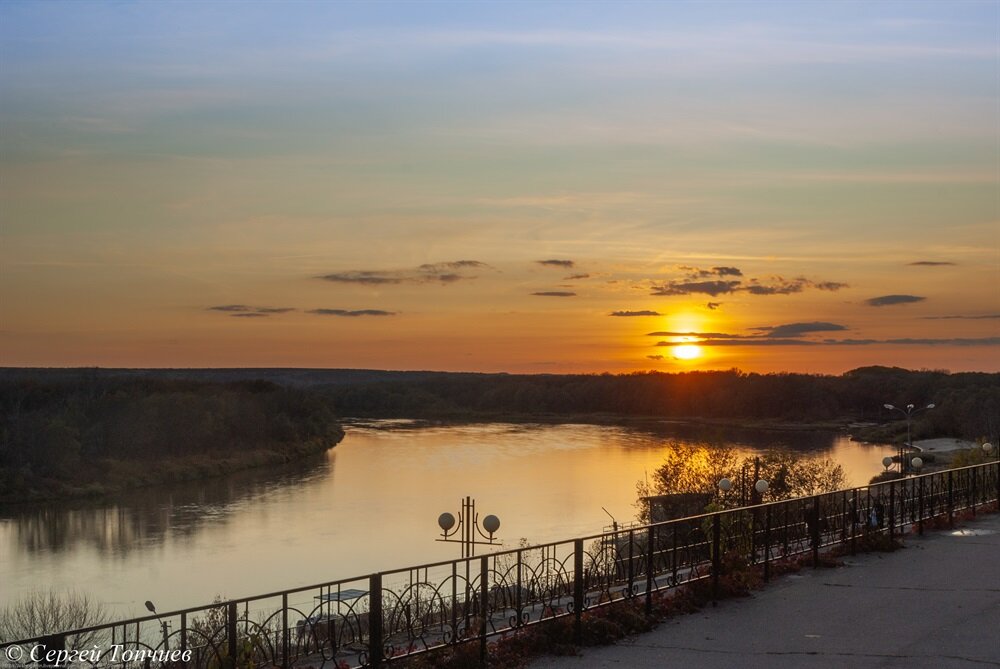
[{"x": 908, "y": 412}]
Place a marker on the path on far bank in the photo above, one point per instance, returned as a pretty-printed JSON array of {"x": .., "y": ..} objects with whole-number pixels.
[{"x": 934, "y": 604}]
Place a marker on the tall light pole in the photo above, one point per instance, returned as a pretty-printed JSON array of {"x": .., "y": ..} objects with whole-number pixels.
[{"x": 908, "y": 412}]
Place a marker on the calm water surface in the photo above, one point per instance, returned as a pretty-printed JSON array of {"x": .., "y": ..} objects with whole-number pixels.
[{"x": 369, "y": 504}]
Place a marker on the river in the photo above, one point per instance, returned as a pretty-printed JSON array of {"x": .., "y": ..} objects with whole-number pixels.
[{"x": 369, "y": 504}]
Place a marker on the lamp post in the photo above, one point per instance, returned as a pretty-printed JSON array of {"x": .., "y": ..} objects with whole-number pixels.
[
  {"x": 908, "y": 412},
  {"x": 468, "y": 525},
  {"x": 164, "y": 626},
  {"x": 987, "y": 449}
]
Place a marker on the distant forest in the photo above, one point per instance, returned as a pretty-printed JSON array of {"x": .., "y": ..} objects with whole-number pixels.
[
  {"x": 967, "y": 405},
  {"x": 79, "y": 431},
  {"x": 89, "y": 433}
]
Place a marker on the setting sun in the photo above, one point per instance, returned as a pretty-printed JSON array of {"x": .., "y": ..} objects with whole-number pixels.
[{"x": 687, "y": 352}]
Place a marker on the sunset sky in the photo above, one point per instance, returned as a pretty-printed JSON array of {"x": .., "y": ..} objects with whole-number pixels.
[{"x": 523, "y": 187}]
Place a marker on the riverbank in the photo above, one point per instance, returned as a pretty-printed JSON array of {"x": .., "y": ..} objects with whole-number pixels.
[
  {"x": 649, "y": 423},
  {"x": 121, "y": 476},
  {"x": 94, "y": 437}
]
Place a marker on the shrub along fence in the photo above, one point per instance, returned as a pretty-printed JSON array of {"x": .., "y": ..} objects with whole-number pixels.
[{"x": 378, "y": 619}]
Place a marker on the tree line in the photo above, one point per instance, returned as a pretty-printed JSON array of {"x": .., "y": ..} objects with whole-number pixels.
[
  {"x": 94, "y": 433},
  {"x": 967, "y": 405}
]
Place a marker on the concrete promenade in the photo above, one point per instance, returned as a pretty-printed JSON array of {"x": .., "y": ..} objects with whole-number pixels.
[{"x": 934, "y": 604}]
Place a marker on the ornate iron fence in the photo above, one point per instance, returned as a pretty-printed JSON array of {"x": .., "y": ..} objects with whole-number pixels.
[{"x": 374, "y": 620}]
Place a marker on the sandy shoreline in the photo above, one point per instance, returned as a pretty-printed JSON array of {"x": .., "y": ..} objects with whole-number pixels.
[{"x": 943, "y": 445}]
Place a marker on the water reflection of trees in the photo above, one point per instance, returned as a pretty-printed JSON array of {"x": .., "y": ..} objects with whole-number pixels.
[
  {"x": 140, "y": 519},
  {"x": 744, "y": 437}
]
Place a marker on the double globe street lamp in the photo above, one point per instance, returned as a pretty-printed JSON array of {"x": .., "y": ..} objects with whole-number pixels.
[
  {"x": 761, "y": 486},
  {"x": 908, "y": 412},
  {"x": 468, "y": 525}
]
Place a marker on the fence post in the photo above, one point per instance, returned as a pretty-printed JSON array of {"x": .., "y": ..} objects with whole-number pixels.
[
  {"x": 578, "y": 590},
  {"x": 854, "y": 521},
  {"x": 54, "y": 642},
  {"x": 815, "y": 532},
  {"x": 951, "y": 501},
  {"x": 454, "y": 600},
  {"x": 973, "y": 489},
  {"x": 673, "y": 557},
  {"x": 484, "y": 606},
  {"x": 892, "y": 511},
  {"x": 650, "y": 536},
  {"x": 631, "y": 561},
  {"x": 716, "y": 558},
  {"x": 767, "y": 543},
  {"x": 518, "y": 596},
  {"x": 784, "y": 531},
  {"x": 998, "y": 482},
  {"x": 920, "y": 505},
  {"x": 231, "y": 615},
  {"x": 284, "y": 631},
  {"x": 375, "y": 621}
]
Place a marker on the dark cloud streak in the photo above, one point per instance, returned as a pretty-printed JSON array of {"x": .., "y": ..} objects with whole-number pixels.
[
  {"x": 351, "y": 313},
  {"x": 442, "y": 272},
  {"x": 713, "y": 288},
  {"x": 890, "y": 300},
  {"x": 799, "y": 329},
  {"x": 627, "y": 314}
]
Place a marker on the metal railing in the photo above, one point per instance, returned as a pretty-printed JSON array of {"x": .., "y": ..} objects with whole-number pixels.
[{"x": 374, "y": 620}]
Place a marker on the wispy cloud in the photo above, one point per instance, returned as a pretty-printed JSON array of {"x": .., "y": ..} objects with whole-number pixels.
[
  {"x": 799, "y": 329},
  {"x": 575, "y": 277},
  {"x": 714, "y": 305},
  {"x": 701, "y": 335},
  {"x": 364, "y": 277},
  {"x": 635, "y": 313},
  {"x": 655, "y": 357},
  {"x": 960, "y": 317},
  {"x": 772, "y": 286},
  {"x": 957, "y": 341},
  {"x": 931, "y": 263},
  {"x": 351, "y": 313},
  {"x": 890, "y": 300},
  {"x": 247, "y": 311},
  {"x": 698, "y": 273},
  {"x": 435, "y": 268},
  {"x": 231, "y": 307},
  {"x": 713, "y": 288},
  {"x": 564, "y": 264},
  {"x": 747, "y": 341},
  {"x": 554, "y": 293},
  {"x": 781, "y": 286},
  {"x": 442, "y": 272},
  {"x": 795, "y": 334}
]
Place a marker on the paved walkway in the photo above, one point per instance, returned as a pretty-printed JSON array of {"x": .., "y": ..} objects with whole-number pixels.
[{"x": 934, "y": 604}]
